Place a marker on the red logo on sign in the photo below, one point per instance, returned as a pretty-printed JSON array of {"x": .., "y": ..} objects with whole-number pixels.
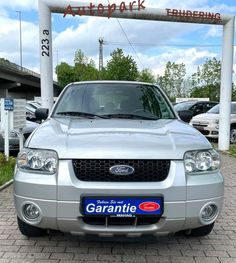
[{"x": 149, "y": 206}]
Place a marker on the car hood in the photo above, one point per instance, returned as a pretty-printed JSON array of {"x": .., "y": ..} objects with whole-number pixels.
[
  {"x": 204, "y": 117},
  {"x": 117, "y": 138}
]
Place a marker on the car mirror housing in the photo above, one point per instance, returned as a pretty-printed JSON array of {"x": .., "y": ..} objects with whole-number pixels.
[
  {"x": 41, "y": 113},
  {"x": 185, "y": 115}
]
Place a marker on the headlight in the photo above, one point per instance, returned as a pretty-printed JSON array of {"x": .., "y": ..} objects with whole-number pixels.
[
  {"x": 38, "y": 160},
  {"x": 202, "y": 160}
]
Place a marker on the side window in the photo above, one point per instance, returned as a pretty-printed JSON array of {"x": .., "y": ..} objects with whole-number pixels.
[
  {"x": 210, "y": 105},
  {"x": 198, "y": 108},
  {"x": 233, "y": 108}
]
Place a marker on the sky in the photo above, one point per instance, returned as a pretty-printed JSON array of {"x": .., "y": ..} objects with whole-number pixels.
[{"x": 154, "y": 42}]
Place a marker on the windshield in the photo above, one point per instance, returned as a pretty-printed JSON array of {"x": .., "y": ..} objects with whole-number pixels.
[
  {"x": 184, "y": 105},
  {"x": 113, "y": 100},
  {"x": 216, "y": 109}
]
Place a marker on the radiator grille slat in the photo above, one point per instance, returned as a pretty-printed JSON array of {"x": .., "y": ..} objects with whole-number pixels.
[{"x": 94, "y": 170}]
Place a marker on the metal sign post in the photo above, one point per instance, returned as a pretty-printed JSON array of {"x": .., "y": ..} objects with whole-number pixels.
[
  {"x": 21, "y": 138},
  {"x": 6, "y": 137},
  {"x": 13, "y": 119},
  {"x": 8, "y": 108}
]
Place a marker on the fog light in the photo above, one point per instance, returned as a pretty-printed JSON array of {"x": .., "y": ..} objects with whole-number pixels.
[
  {"x": 31, "y": 212},
  {"x": 209, "y": 213}
]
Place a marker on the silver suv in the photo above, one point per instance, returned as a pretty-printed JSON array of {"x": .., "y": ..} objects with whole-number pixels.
[
  {"x": 208, "y": 123},
  {"x": 113, "y": 158}
]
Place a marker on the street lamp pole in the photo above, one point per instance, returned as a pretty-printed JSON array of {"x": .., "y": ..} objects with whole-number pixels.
[{"x": 19, "y": 12}]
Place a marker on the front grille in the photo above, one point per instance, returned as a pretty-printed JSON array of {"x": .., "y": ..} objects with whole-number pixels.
[
  {"x": 93, "y": 170},
  {"x": 205, "y": 132},
  {"x": 120, "y": 221},
  {"x": 202, "y": 123},
  {"x": 199, "y": 125},
  {"x": 201, "y": 129}
]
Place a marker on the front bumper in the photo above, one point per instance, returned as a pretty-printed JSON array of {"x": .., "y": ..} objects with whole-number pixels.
[
  {"x": 58, "y": 197},
  {"x": 210, "y": 130}
]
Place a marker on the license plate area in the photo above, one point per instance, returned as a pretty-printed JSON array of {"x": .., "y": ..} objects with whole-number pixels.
[{"x": 122, "y": 206}]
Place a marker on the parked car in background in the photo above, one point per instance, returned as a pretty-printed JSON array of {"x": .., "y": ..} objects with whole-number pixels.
[
  {"x": 208, "y": 123},
  {"x": 31, "y": 107},
  {"x": 196, "y": 107},
  {"x": 113, "y": 158},
  {"x": 14, "y": 136}
]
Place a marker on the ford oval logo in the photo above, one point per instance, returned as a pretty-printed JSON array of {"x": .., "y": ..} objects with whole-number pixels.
[
  {"x": 121, "y": 170},
  {"x": 149, "y": 206}
]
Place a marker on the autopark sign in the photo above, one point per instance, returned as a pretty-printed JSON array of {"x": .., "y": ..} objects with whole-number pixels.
[{"x": 100, "y": 9}]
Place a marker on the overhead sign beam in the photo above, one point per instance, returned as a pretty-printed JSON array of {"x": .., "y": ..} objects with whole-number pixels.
[{"x": 138, "y": 10}]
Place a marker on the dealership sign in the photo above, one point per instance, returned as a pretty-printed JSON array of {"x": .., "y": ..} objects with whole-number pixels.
[
  {"x": 198, "y": 15},
  {"x": 100, "y": 9}
]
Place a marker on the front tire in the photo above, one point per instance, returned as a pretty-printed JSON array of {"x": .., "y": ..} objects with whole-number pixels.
[
  {"x": 201, "y": 231},
  {"x": 30, "y": 231}
]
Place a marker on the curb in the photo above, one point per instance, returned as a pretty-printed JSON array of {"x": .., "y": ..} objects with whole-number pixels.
[{"x": 6, "y": 185}]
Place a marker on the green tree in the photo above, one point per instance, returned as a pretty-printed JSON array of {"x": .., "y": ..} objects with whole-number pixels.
[
  {"x": 65, "y": 74},
  {"x": 80, "y": 58},
  {"x": 121, "y": 67},
  {"x": 4, "y": 60},
  {"x": 83, "y": 69},
  {"x": 206, "y": 81},
  {"x": 234, "y": 92},
  {"x": 146, "y": 76},
  {"x": 172, "y": 82}
]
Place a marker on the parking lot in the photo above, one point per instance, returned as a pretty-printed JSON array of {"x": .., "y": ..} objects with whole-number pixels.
[{"x": 219, "y": 246}]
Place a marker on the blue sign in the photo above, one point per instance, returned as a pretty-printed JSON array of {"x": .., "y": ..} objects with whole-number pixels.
[
  {"x": 9, "y": 104},
  {"x": 123, "y": 206}
]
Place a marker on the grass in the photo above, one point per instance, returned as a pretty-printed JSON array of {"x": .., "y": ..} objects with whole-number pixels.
[
  {"x": 231, "y": 151},
  {"x": 6, "y": 169}
]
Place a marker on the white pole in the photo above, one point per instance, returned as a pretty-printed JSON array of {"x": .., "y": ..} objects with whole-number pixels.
[
  {"x": 21, "y": 139},
  {"x": 46, "y": 67},
  {"x": 6, "y": 139},
  {"x": 226, "y": 84},
  {"x": 21, "y": 63}
]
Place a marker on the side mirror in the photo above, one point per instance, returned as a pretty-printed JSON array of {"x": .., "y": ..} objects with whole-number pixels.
[
  {"x": 185, "y": 115},
  {"x": 41, "y": 113}
]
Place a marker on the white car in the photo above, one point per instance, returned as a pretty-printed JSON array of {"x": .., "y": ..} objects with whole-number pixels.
[{"x": 208, "y": 123}]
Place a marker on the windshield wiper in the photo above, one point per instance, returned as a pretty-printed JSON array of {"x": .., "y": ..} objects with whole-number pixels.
[
  {"x": 81, "y": 114},
  {"x": 129, "y": 116}
]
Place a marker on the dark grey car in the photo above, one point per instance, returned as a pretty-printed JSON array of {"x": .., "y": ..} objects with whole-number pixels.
[
  {"x": 196, "y": 107},
  {"x": 14, "y": 136}
]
